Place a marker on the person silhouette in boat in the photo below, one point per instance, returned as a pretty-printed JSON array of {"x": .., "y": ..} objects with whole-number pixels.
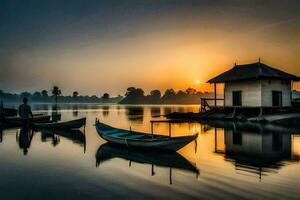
[{"x": 25, "y": 112}]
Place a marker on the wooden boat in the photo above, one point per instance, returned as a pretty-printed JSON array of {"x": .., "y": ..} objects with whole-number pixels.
[
  {"x": 6, "y": 112},
  {"x": 17, "y": 121},
  {"x": 133, "y": 139},
  {"x": 169, "y": 159},
  {"x": 73, "y": 124}
]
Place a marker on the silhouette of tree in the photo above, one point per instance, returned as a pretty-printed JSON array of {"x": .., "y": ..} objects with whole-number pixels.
[
  {"x": 56, "y": 92},
  {"x": 2, "y": 94},
  {"x": 169, "y": 93},
  {"x": 180, "y": 93},
  {"x": 36, "y": 96},
  {"x": 134, "y": 92},
  {"x": 168, "y": 96},
  {"x": 191, "y": 91},
  {"x": 155, "y": 94},
  {"x": 25, "y": 94},
  {"x": 75, "y": 95},
  {"x": 133, "y": 95},
  {"x": 105, "y": 97},
  {"x": 44, "y": 93}
]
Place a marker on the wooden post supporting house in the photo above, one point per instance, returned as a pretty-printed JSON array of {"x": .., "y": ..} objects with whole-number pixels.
[
  {"x": 152, "y": 128},
  {"x": 215, "y": 92},
  {"x": 169, "y": 129}
]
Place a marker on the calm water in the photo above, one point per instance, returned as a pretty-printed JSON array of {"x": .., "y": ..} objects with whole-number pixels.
[{"x": 241, "y": 162}]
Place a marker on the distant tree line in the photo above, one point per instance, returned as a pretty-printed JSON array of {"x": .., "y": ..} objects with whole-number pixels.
[
  {"x": 170, "y": 96},
  {"x": 132, "y": 96},
  {"x": 56, "y": 95}
]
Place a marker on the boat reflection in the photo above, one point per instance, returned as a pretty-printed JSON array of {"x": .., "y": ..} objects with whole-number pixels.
[
  {"x": 76, "y": 136},
  {"x": 260, "y": 149},
  {"x": 168, "y": 159},
  {"x": 49, "y": 136},
  {"x": 25, "y": 137}
]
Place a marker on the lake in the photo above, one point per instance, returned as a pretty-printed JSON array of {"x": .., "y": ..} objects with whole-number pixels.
[{"x": 228, "y": 160}]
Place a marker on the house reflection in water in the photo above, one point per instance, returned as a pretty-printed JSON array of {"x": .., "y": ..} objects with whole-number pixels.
[{"x": 255, "y": 148}]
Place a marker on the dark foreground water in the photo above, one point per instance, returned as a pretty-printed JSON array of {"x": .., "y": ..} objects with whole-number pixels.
[{"x": 242, "y": 161}]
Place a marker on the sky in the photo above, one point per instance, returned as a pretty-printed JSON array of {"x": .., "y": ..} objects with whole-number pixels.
[{"x": 107, "y": 46}]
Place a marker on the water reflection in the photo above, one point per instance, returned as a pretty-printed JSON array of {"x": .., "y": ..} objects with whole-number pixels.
[
  {"x": 155, "y": 111},
  {"x": 24, "y": 138},
  {"x": 55, "y": 113},
  {"x": 135, "y": 114},
  {"x": 168, "y": 159},
  {"x": 231, "y": 163},
  {"x": 105, "y": 110},
  {"x": 1, "y": 133},
  {"x": 76, "y": 136},
  {"x": 49, "y": 136},
  {"x": 254, "y": 148},
  {"x": 75, "y": 110},
  {"x": 167, "y": 110}
]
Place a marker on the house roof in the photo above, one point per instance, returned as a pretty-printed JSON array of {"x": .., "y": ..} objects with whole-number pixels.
[{"x": 251, "y": 71}]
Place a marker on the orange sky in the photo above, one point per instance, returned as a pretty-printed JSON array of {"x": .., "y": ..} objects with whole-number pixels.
[{"x": 164, "y": 48}]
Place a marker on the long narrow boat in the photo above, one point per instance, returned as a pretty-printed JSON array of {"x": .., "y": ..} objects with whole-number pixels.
[
  {"x": 17, "y": 121},
  {"x": 9, "y": 112},
  {"x": 133, "y": 139},
  {"x": 73, "y": 124}
]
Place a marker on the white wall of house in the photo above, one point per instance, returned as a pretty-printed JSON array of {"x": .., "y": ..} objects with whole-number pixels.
[
  {"x": 267, "y": 86},
  {"x": 257, "y": 93},
  {"x": 251, "y": 92}
]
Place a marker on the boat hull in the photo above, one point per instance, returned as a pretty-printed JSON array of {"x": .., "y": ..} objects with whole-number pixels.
[
  {"x": 17, "y": 121},
  {"x": 9, "y": 112},
  {"x": 74, "y": 124},
  {"x": 165, "y": 143}
]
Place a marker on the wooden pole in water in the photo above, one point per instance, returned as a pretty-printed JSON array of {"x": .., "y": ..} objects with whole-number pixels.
[
  {"x": 216, "y": 141},
  {"x": 170, "y": 176},
  {"x": 1, "y": 134},
  {"x": 169, "y": 129},
  {"x": 84, "y": 144},
  {"x": 152, "y": 170},
  {"x": 215, "y": 91}
]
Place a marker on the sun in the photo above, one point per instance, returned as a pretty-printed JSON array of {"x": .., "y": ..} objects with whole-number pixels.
[{"x": 197, "y": 82}]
